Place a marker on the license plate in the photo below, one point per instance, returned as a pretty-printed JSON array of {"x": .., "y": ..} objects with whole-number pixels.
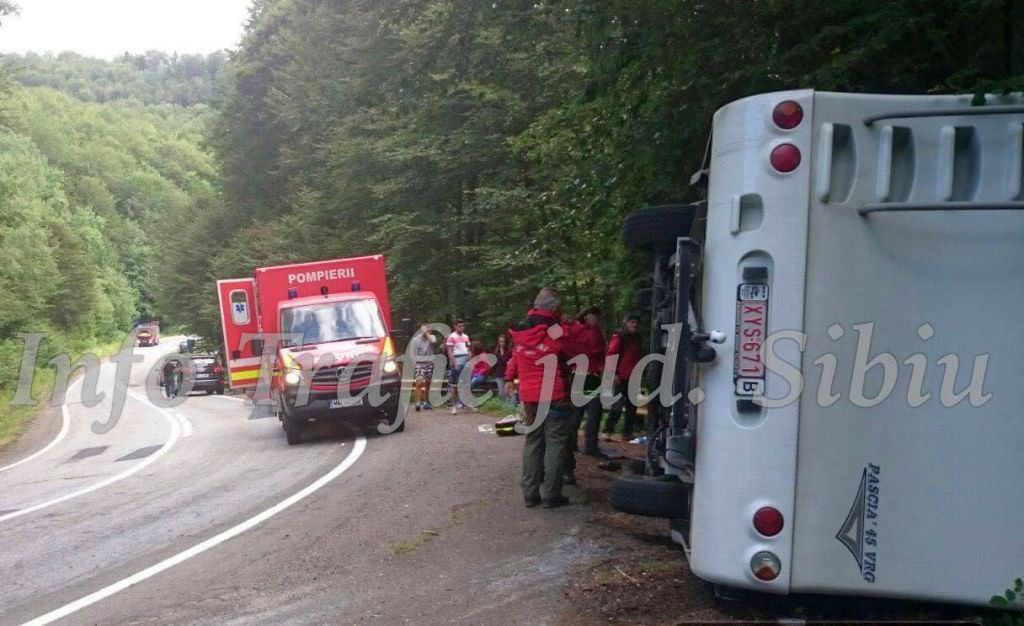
[
  {"x": 751, "y": 328},
  {"x": 345, "y": 403}
]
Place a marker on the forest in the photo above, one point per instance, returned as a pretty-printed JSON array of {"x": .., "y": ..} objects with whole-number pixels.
[
  {"x": 151, "y": 78},
  {"x": 87, "y": 186},
  {"x": 486, "y": 148}
]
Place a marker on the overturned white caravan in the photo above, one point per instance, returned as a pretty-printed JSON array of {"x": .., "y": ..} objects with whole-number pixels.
[{"x": 852, "y": 417}]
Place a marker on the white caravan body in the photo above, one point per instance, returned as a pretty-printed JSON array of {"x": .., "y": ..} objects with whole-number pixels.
[{"x": 890, "y": 263}]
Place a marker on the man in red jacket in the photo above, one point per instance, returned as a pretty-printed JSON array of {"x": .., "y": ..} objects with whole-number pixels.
[
  {"x": 627, "y": 346},
  {"x": 587, "y": 332},
  {"x": 542, "y": 346}
]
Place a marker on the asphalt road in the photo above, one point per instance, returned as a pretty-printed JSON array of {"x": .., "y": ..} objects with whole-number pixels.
[{"x": 202, "y": 513}]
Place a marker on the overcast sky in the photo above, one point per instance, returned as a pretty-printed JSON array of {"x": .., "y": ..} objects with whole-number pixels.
[{"x": 106, "y": 28}]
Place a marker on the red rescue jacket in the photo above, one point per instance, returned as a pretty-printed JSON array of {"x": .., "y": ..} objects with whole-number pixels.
[
  {"x": 630, "y": 351},
  {"x": 540, "y": 336},
  {"x": 591, "y": 342}
]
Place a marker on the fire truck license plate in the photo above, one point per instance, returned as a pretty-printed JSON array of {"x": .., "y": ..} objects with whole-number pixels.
[
  {"x": 345, "y": 403},
  {"x": 751, "y": 326}
]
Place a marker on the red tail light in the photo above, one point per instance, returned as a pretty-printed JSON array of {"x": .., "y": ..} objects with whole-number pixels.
[
  {"x": 785, "y": 158},
  {"x": 788, "y": 115},
  {"x": 218, "y": 370},
  {"x": 768, "y": 521}
]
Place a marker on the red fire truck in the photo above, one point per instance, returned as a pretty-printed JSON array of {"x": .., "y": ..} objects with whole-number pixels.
[{"x": 335, "y": 357}]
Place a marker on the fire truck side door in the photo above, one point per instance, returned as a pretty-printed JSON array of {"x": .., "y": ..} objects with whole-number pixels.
[{"x": 238, "y": 317}]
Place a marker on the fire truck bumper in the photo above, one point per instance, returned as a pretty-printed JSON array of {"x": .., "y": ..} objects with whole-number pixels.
[{"x": 363, "y": 403}]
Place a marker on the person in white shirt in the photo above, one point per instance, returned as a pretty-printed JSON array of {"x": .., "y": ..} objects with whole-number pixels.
[{"x": 457, "y": 345}]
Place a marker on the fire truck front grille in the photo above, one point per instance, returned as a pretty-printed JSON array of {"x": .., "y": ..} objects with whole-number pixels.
[{"x": 329, "y": 376}]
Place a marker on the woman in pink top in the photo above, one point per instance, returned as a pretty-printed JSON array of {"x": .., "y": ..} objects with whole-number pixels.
[{"x": 481, "y": 367}]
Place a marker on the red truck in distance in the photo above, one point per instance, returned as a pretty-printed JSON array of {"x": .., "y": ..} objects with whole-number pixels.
[
  {"x": 336, "y": 317},
  {"x": 147, "y": 334}
]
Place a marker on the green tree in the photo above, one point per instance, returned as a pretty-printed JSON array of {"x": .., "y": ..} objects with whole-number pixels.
[
  {"x": 30, "y": 197},
  {"x": 74, "y": 296},
  {"x": 85, "y": 192}
]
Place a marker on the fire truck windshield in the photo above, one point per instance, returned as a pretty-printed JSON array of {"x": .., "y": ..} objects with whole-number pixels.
[{"x": 333, "y": 321}]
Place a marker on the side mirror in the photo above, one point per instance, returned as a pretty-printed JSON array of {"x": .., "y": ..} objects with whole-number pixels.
[
  {"x": 402, "y": 334},
  {"x": 183, "y": 347}
]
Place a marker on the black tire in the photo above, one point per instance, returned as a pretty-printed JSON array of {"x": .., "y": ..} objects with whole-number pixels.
[
  {"x": 220, "y": 391},
  {"x": 209, "y": 392},
  {"x": 392, "y": 417},
  {"x": 292, "y": 431},
  {"x": 658, "y": 225},
  {"x": 282, "y": 415},
  {"x": 651, "y": 497}
]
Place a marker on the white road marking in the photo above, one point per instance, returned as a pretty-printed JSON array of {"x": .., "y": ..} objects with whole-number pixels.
[
  {"x": 138, "y": 467},
  {"x": 65, "y": 426},
  {"x": 199, "y": 548},
  {"x": 186, "y": 425}
]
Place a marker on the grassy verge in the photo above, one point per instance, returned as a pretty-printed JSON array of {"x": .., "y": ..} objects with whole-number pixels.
[
  {"x": 14, "y": 419},
  {"x": 495, "y": 406}
]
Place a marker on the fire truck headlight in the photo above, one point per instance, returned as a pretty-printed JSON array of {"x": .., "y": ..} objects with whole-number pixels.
[
  {"x": 390, "y": 366},
  {"x": 293, "y": 377}
]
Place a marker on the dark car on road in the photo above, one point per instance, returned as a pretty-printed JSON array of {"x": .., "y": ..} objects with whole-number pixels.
[{"x": 207, "y": 373}]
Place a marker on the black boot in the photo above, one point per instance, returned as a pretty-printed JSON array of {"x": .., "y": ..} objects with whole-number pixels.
[{"x": 556, "y": 502}]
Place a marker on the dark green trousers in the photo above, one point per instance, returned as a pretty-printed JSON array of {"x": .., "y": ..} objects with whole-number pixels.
[{"x": 545, "y": 453}]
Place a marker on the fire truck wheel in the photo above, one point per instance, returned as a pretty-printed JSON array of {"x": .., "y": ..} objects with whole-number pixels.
[
  {"x": 657, "y": 225},
  {"x": 401, "y": 427},
  {"x": 391, "y": 415},
  {"x": 292, "y": 431},
  {"x": 282, "y": 415},
  {"x": 651, "y": 497}
]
